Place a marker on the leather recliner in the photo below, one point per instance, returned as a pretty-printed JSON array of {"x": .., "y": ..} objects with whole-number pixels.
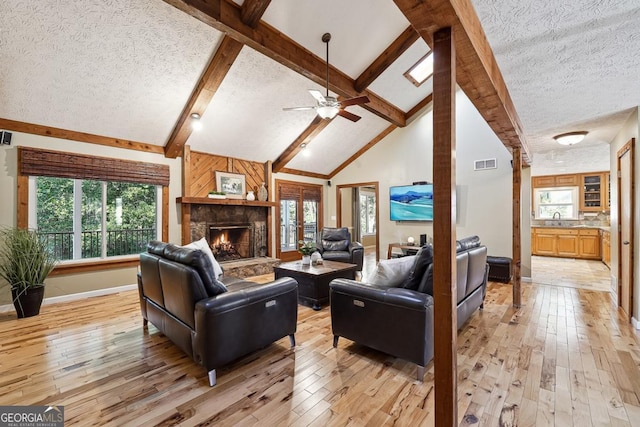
[
  {"x": 214, "y": 321},
  {"x": 334, "y": 244},
  {"x": 399, "y": 321}
]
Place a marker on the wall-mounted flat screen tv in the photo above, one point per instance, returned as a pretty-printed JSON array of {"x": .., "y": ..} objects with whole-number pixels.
[{"x": 411, "y": 202}]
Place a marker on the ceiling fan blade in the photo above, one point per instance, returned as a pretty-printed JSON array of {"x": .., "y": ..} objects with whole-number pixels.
[
  {"x": 355, "y": 101},
  {"x": 298, "y": 108},
  {"x": 317, "y": 95},
  {"x": 348, "y": 115}
]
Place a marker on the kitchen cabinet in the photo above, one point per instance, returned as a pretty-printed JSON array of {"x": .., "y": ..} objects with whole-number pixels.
[
  {"x": 589, "y": 244},
  {"x": 594, "y": 192},
  {"x": 594, "y": 188},
  {"x": 568, "y": 180},
  {"x": 583, "y": 243}
]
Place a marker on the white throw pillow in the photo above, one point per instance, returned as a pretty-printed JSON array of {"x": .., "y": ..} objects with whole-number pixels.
[
  {"x": 203, "y": 245},
  {"x": 391, "y": 272}
]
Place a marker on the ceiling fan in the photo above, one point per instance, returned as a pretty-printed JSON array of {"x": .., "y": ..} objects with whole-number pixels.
[{"x": 328, "y": 106}]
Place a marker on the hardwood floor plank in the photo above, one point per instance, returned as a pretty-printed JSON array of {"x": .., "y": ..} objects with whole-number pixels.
[{"x": 566, "y": 357}]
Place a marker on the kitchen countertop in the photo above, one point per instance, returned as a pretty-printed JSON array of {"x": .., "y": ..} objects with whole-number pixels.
[{"x": 599, "y": 227}]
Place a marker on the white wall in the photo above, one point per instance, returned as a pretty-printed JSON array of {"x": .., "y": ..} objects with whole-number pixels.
[
  {"x": 628, "y": 131},
  {"x": 405, "y": 156},
  {"x": 75, "y": 283}
]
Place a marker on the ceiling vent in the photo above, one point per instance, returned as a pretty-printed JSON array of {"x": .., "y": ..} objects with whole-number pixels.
[{"x": 479, "y": 165}]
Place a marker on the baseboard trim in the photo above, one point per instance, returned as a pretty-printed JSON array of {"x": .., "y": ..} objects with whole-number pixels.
[
  {"x": 526, "y": 279},
  {"x": 635, "y": 323},
  {"x": 78, "y": 296}
]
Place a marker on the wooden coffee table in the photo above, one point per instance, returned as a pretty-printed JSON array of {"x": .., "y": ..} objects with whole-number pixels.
[{"x": 313, "y": 280}]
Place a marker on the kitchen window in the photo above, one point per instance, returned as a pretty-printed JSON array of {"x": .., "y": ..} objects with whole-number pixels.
[{"x": 556, "y": 203}]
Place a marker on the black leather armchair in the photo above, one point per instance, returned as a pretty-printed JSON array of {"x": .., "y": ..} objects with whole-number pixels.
[
  {"x": 334, "y": 244},
  {"x": 400, "y": 320},
  {"x": 213, "y": 320}
]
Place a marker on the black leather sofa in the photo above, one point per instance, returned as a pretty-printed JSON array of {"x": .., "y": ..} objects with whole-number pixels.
[
  {"x": 334, "y": 244},
  {"x": 399, "y": 320},
  {"x": 213, "y": 321}
]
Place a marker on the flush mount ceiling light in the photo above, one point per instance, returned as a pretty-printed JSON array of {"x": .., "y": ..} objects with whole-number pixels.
[
  {"x": 196, "y": 124},
  {"x": 570, "y": 138}
]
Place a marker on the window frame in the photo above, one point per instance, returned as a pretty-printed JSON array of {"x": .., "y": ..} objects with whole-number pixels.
[
  {"x": 575, "y": 201},
  {"x": 40, "y": 160},
  {"x": 367, "y": 194}
]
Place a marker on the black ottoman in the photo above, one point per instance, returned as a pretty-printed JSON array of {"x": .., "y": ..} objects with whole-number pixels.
[{"x": 499, "y": 269}]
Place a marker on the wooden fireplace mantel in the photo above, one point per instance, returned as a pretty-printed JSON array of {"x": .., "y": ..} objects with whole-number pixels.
[{"x": 235, "y": 202}]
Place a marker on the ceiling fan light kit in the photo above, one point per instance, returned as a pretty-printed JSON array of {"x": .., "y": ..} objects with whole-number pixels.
[
  {"x": 328, "y": 106},
  {"x": 570, "y": 138}
]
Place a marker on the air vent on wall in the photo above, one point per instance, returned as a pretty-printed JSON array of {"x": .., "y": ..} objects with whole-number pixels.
[{"x": 479, "y": 165}]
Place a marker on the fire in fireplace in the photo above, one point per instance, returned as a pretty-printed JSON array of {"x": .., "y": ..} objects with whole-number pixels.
[{"x": 231, "y": 242}]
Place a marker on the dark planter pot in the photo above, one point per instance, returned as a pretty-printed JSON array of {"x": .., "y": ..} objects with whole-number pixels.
[{"x": 28, "y": 303}]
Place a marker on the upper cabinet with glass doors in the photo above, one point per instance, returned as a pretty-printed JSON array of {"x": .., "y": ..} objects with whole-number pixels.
[{"x": 594, "y": 192}]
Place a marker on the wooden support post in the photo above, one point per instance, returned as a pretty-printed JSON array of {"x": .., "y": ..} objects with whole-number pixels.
[
  {"x": 516, "y": 245},
  {"x": 186, "y": 171},
  {"x": 444, "y": 229}
]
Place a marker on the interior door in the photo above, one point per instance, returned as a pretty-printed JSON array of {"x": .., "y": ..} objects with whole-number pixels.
[
  {"x": 299, "y": 216},
  {"x": 357, "y": 206},
  {"x": 625, "y": 228}
]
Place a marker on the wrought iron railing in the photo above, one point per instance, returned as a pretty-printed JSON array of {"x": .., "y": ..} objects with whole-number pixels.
[
  {"x": 119, "y": 242},
  {"x": 289, "y": 235}
]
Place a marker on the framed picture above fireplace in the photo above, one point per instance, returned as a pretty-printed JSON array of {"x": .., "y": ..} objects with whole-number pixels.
[{"x": 233, "y": 184}]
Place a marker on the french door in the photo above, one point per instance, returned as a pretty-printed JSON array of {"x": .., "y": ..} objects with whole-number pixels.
[{"x": 299, "y": 216}]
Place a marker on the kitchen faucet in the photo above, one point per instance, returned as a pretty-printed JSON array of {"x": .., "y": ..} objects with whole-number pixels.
[{"x": 554, "y": 216}]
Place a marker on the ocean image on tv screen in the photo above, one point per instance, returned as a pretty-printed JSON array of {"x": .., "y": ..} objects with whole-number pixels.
[{"x": 411, "y": 203}]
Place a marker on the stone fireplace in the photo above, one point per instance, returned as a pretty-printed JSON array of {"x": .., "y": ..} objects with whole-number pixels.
[
  {"x": 237, "y": 234},
  {"x": 231, "y": 242}
]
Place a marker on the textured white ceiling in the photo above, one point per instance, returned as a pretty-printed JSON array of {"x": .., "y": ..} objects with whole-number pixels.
[
  {"x": 125, "y": 69},
  {"x": 339, "y": 141},
  {"x": 568, "y": 65},
  {"x": 360, "y": 29},
  {"x": 393, "y": 86},
  {"x": 120, "y": 68},
  {"x": 590, "y": 158},
  {"x": 245, "y": 118}
]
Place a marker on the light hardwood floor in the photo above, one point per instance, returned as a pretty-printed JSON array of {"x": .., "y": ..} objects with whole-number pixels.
[
  {"x": 566, "y": 358},
  {"x": 574, "y": 273}
]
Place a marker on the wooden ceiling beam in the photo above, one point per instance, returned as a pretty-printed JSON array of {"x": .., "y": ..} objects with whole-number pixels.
[
  {"x": 252, "y": 11},
  {"x": 305, "y": 173},
  {"x": 225, "y": 16},
  {"x": 386, "y": 58},
  {"x": 477, "y": 73},
  {"x": 419, "y": 106},
  {"x": 35, "y": 129},
  {"x": 316, "y": 126},
  {"x": 202, "y": 94}
]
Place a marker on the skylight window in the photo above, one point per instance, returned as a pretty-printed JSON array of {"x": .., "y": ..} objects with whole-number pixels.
[{"x": 421, "y": 70}]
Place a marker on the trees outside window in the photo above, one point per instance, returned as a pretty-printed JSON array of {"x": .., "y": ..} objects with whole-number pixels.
[
  {"x": 367, "y": 213},
  {"x": 95, "y": 219}
]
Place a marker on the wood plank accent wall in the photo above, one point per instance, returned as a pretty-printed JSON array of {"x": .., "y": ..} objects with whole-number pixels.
[
  {"x": 37, "y": 162},
  {"x": 202, "y": 167}
]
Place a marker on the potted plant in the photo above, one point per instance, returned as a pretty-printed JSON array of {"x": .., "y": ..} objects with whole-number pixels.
[
  {"x": 217, "y": 195},
  {"x": 25, "y": 262},
  {"x": 306, "y": 249}
]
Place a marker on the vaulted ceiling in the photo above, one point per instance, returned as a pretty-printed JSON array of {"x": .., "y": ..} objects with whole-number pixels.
[{"x": 136, "y": 69}]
